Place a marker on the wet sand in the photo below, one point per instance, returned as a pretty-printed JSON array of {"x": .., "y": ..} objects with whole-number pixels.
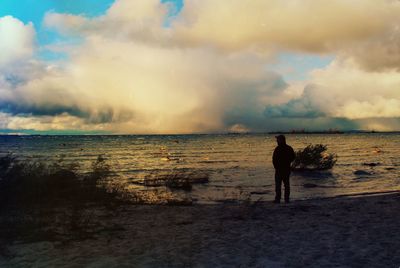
[{"x": 358, "y": 231}]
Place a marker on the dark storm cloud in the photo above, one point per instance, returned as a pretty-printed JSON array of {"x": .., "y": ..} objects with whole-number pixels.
[
  {"x": 262, "y": 123},
  {"x": 297, "y": 108},
  {"x": 104, "y": 115},
  {"x": 304, "y": 106},
  {"x": 14, "y": 108}
]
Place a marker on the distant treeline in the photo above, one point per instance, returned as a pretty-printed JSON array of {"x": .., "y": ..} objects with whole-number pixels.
[{"x": 333, "y": 132}]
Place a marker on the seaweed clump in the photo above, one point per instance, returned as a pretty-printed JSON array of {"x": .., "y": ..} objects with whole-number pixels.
[{"x": 178, "y": 180}]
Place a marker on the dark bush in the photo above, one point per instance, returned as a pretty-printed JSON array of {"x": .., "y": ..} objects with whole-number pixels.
[
  {"x": 24, "y": 183},
  {"x": 42, "y": 201},
  {"x": 314, "y": 157}
]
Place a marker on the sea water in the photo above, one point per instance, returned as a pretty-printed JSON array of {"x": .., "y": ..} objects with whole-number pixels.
[{"x": 239, "y": 166}]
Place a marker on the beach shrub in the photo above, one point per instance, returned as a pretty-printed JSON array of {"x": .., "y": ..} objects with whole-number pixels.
[
  {"x": 100, "y": 171},
  {"x": 25, "y": 182},
  {"x": 314, "y": 157},
  {"x": 42, "y": 201}
]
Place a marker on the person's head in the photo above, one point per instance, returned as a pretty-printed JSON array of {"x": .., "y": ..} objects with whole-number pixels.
[{"x": 281, "y": 139}]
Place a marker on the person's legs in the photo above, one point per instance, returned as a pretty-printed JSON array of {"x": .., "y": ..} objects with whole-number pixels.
[
  {"x": 286, "y": 183},
  {"x": 278, "y": 186}
]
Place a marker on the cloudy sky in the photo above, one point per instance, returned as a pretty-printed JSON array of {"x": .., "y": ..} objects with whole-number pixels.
[{"x": 198, "y": 66}]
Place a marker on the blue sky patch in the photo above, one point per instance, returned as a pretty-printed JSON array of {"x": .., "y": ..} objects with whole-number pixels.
[{"x": 296, "y": 67}]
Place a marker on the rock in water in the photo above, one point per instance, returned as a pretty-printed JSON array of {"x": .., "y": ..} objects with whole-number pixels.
[
  {"x": 371, "y": 164},
  {"x": 362, "y": 173}
]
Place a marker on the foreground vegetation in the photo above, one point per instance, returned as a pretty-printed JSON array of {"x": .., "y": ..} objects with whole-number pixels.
[
  {"x": 53, "y": 201},
  {"x": 27, "y": 183},
  {"x": 42, "y": 201}
]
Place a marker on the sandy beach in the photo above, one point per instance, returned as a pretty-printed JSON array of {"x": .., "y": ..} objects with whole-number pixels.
[{"x": 354, "y": 231}]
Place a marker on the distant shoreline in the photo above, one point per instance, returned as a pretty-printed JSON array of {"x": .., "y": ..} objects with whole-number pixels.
[
  {"x": 209, "y": 134},
  {"x": 336, "y": 132}
]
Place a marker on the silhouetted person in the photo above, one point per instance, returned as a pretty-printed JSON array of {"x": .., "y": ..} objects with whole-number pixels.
[{"x": 282, "y": 158}]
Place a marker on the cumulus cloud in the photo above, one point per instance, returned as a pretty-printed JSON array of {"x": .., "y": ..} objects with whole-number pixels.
[
  {"x": 16, "y": 40},
  {"x": 380, "y": 53},
  {"x": 65, "y": 23},
  {"x": 342, "y": 90},
  {"x": 366, "y": 30},
  {"x": 141, "y": 21},
  {"x": 147, "y": 88},
  {"x": 206, "y": 71},
  {"x": 43, "y": 123},
  {"x": 309, "y": 25},
  {"x": 345, "y": 89},
  {"x": 141, "y": 87}
]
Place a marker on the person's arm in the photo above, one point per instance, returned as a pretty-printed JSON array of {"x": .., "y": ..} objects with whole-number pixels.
[{"x": 274, "y": 158}]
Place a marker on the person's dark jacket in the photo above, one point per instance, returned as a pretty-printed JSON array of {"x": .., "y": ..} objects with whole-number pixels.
[{"x": 282, "y": 158}]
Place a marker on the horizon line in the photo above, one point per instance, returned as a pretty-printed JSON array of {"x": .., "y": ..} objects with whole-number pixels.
[{"x": 207, "y": 133}]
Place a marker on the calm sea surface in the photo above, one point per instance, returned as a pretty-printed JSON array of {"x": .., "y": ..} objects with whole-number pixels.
[{"x": 239, "y": 166}]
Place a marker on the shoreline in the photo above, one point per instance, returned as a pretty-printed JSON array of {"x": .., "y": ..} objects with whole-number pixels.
[
  {"x": 351, "y": 195},
  {"x": 396, "y": 132},
  {"x": 346, "y": 231}
]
